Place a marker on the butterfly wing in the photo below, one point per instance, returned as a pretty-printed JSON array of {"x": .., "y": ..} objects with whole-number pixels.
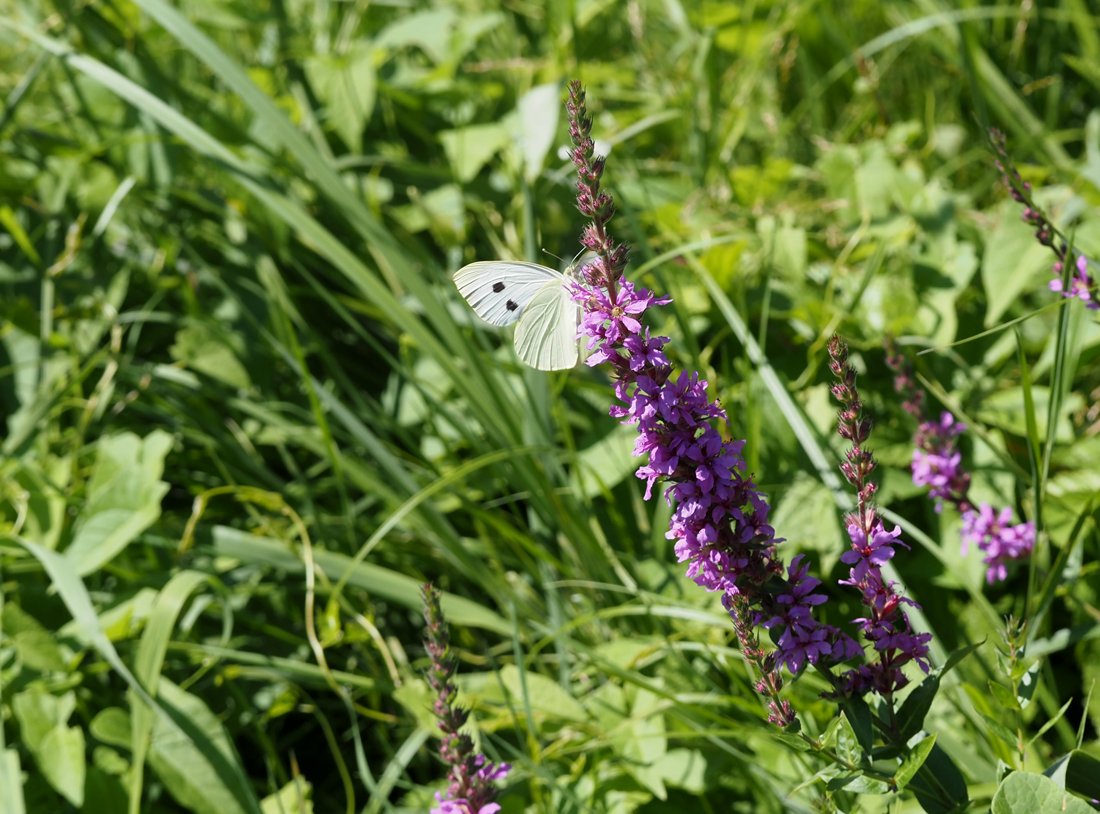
[
  {"x": 500, "y": 290},
  {"x": 546, "y": 336}
]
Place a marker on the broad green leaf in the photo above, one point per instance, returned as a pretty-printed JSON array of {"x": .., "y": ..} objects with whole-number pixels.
[
  {"x": 417, "y": 698},
  {"x": 39, "y": 711},
  {"x": 544, "y": 696},
  {"x": 346, "y": 84},
  {"x": 848, "y": 746},
  {"x": 683, "y": 768},
  {"x": 646, "y": 741},
  {"x": 470, "y": 148},
  {"x": 876, "y": 180},
  {"x": 195, "y": 758},
  {"x": 293, "y": 798},
  {"x": 11, "y": 783},
  {"x": 602, "y": 466},
  {"x": 1013, "y": 263},
  {"x": 111, "y": 726},
  {"x": 862, "y": 784},
  {"x": 58, "y": 749},
  {"x": 910, "y": 718},
  {"x": 1006, "y": 409},
  {"x": 537, "y": 127},
  {"x": 805, "y": 514},
  {"x": 939, "y": 785},
  {"x": 1027, "y": 793},
  {"x": 1078, "y": 771},
  {"x": 215, "y": 353},
  {"x": 103, "y": 790},
  {"x": 430, "y": 31},
  {"x": 912, "y": 762},
  {"x": 124, "y": 495},
  {"x": 61, "y": 758},
  {"x": 37, "y": 647},
  {"x": 857, "y": 722}
]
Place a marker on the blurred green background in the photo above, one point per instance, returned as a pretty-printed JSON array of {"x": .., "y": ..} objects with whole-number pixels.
[{"x": 244, "y": 412}]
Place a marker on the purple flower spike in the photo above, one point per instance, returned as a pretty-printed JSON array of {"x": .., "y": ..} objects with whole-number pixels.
[
  {"x": 886, "y": 625},
  {"x": 997, "y": 538},
  {"x": 937, "y": 464},
  {"x": 719, "y": 521}
]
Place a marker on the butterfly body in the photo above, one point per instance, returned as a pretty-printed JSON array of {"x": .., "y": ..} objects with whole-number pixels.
[{"x": 536, "y": 298}]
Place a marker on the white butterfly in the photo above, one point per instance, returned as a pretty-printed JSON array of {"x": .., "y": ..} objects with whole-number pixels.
[{"x": 504, "y": 291}]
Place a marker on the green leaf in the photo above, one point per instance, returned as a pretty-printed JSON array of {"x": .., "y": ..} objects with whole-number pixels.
[
  {"x": 212, "y": 352},
  {"x": 542, "y": 694},
  {"x": 800, "y": 511},
  {"x": 858, "y": 717},
  {"x": 910, "y": 717},
  {"x": 847, "y": 744},
  {"x": 645, "y": 741},
  {"x": 61, "y": 758},
  {"x": 346, "y": 84},
  {"x": 1077, "y": 771},
  {"x": 956, "y": 656},
  {"x": 1003, "y": 696},
  {"x": 293, "y": 798},
  {"x": 470, "y": 148},
  {"x": 11, "y": 783},
  {"x": 537, "y": 117},
  {"x": 1027, "y": 793},
  {"x": 103, "y": 791},
  {"x": 38, "y": 712},
  {"x": 58, "y": 749},
  {"x": 913, "y": 761},
  {"x": 431, "y": 31},
  {"x": 683, "y": 768},
  {"x": 150, "y": 659},
  {"x": 862, "y": 784},
  {"x": 939, "y": 785},
  {"x": 602, "y": 466},
  {"x": 36, "y": 646},
  {"x": 1014, "y": 262},
  {"x": 195, "y": 758},
  {"x": 124, "y": 496},
  {"x": 111, "y": 726}
]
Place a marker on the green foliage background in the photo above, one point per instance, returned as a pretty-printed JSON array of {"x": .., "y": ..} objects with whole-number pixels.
[{"x": 245, "y": 413}]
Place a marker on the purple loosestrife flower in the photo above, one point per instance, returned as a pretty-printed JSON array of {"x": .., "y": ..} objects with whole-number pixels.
[
  {"x": 470, "y": 789},
  {"x": 998, "y": 539},
  {"x": 803, "y": 640},
  {"x": 886, "y": 624},
  {"x": 720, "y": 520},
  {"x": 1081, "y": 283},
  {"x": 938, "y": 464}
]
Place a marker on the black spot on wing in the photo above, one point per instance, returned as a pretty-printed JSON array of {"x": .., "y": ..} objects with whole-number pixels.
[
  {"x": 511, "y": 306},
  {"x": 498, "y": 287}
]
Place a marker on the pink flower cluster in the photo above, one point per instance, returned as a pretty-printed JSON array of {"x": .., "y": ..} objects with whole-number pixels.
[{"x": 937, "y": 464}]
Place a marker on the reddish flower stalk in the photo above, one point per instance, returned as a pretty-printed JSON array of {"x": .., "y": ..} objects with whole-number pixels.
[
  {"x": 470, "y": 774},
  {"x": 886, "y": 625},
  {"x": 1079, "y": 283}
]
